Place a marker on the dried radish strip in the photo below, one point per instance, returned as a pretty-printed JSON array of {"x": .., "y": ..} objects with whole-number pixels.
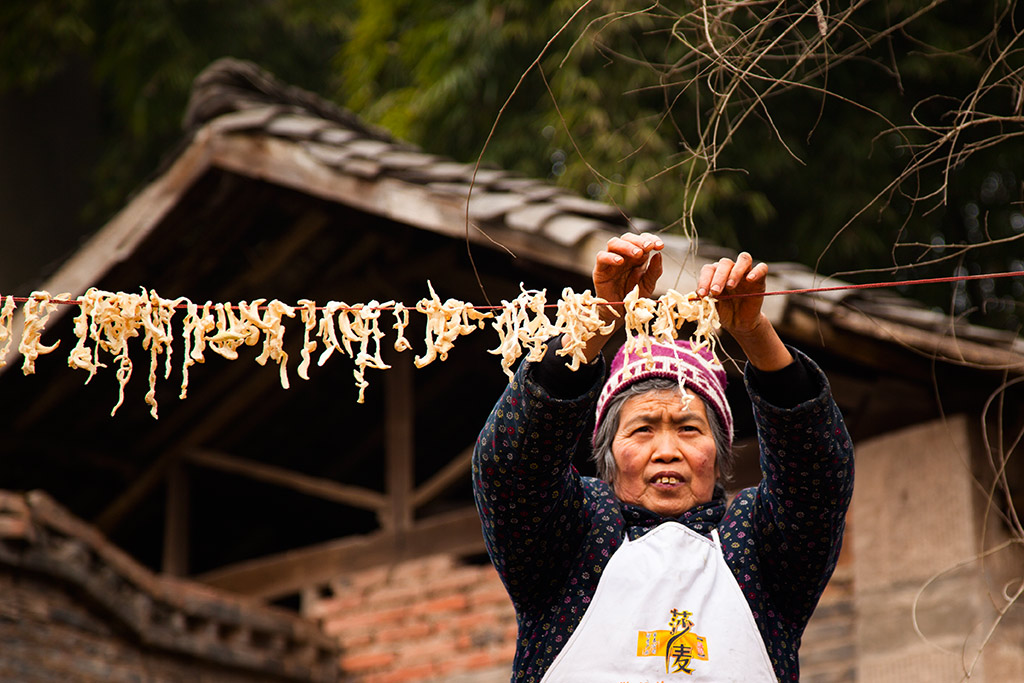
[
  {"x": 307, "y": 313},
  {"x": 6, "y": 328},
  {"x": 401, "y": 322}
]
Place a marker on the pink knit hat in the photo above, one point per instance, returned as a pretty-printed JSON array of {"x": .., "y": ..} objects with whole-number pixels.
[{"x": 698, "y": 371}]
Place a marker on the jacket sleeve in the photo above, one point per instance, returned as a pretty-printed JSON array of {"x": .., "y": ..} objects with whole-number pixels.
[
  {"x": 800, "y": 505},
  {"x": 529, "y": 496}
]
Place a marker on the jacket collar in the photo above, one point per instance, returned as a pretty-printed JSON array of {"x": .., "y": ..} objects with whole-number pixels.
[{"x": 701, "y": 518}]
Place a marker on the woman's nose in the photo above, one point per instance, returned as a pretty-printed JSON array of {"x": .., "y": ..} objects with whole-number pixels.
[{"x": 666, "y": 448}]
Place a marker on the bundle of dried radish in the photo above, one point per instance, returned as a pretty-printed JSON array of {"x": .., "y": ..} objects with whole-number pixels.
[
  {"x": 578, "y": 319},
  {"x": 37, "y": 311},
  {"x": 446, "y": 322}
]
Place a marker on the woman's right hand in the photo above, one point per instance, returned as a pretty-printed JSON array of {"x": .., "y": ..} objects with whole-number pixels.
[{"x": 626, "y": 262}]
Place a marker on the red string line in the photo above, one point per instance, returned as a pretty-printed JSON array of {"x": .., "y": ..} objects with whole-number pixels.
[{"x": 809, "y": 290}]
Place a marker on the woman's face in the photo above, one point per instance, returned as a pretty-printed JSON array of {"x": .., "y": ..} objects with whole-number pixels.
[{"x": 664, "y": 453}]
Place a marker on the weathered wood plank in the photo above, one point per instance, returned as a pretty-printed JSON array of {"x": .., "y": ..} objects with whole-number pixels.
[
  {"x": 399, "y": 447},
  {"x": 312, "y": 486},
  {"x": 175, "y": 555},
  {"x": 448, "y": 475}
]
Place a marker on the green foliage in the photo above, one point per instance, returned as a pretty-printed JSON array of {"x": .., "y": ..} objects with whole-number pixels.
[{"x": 143, "y": 56}]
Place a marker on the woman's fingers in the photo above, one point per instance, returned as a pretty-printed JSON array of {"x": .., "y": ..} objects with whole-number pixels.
[
  {"x": 726, "y": 275},
  {"x": 634, "y": 248},
  {"x": 651, "y": 275},
  {"x": 714, "y": 276},
  {"x": 739, "y": 270}
]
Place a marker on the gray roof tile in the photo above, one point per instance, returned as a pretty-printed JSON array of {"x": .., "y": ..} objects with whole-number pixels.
[
  {"x": 486, "y": 207},
  {"x": 331, "y": 155},
  {"x": 361, "y": 168},
  {"x": 586, "y": 207},
  {"x": 369, "y": 149},
  {"x": 336, "y": 136},
  {"x": 531, "y": 217},
  {"x": 246, "y": 119},
  {"x": 446, "y": 188},
  {"x": 405, "y": 160},
  {"x": 444, "y": 171},
  {"x": 296, "y": 126},
  {"x": 568, "y": 230}
]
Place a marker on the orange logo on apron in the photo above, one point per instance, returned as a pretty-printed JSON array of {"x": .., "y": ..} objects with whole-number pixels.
[{"x": 679, "y": 645}]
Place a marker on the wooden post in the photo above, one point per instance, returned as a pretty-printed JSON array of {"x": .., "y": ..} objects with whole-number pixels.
[
  {"x": 175, "y": 557},
  {"x": 398, "y": 443}
]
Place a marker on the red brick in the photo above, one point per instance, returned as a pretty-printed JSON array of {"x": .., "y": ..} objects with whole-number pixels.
[
  {"x": 450, "y": 603},
  {"x": 373, "y": 617},
  {"x": 354, "y": 640},
  {"x": 427, "y": 567},
  {"x": 400, "y": 633},
  {"x": 478, "y": 660},
  {"x": 366, "y": 661},
  {"x": 319, "y": 609},
  {"x": 436, "y": 648},
  {"x": 388, "y": 595},
  {"x": 489, "y": 594},
  {"x": 460, "y": 579},
  {"x": 404, "y": 675},
  {"x": 365, "y": 578}
]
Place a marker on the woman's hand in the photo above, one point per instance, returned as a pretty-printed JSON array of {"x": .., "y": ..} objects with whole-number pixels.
[
  {"x": 626, "y": 262},
  {"x": 742, "y": 316}
]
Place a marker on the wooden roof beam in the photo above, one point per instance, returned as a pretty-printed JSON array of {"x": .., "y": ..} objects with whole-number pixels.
[{"x": 318, "y": 487}]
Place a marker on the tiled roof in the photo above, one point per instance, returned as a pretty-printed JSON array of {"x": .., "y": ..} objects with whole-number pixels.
[{"x": 239, "y": 97}]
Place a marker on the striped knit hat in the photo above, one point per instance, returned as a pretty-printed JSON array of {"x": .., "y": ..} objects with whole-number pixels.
[{"x": 697, "y": 371}]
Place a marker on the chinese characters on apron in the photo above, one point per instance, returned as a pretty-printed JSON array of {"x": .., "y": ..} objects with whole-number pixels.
[{"x": 666, "y": 609}]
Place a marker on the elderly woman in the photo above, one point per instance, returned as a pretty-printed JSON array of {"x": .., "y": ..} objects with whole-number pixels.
[{"x": 647, "y": 574}]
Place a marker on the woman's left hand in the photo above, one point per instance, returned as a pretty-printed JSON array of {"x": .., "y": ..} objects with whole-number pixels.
[{"x": 742, "y": 316}]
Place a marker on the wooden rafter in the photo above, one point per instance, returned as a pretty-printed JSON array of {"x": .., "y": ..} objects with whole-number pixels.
[
  {"x": 312, "y": 486},
  {"x": 448, "y": 475}
]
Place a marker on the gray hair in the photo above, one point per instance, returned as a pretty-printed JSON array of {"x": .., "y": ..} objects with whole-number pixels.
[{"x": 604, "y": 435}]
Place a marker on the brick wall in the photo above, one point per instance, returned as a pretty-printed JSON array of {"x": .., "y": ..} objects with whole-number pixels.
[
  {"x": 49, "y": 633},
  {"x": 434, "y": 619}
]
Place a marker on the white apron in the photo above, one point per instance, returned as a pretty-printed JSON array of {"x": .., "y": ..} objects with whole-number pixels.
[{"x": 666, "y": 609}]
